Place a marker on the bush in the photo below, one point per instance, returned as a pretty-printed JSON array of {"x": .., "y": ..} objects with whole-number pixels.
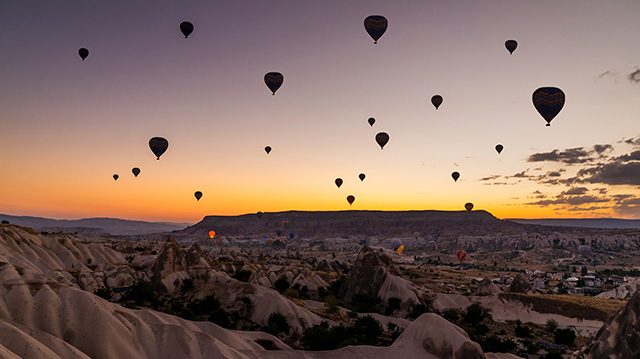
[
  {"x": 291, "y": 293},
  {"x": 553, "y": 354},
  {"x": 281, "y": 284},
  {"x": 523, "y": 332},
  {"x": 393, "y": 304},
  {"x": 319, "y": 337},
  {"x": 277, "y": 324},
  {"x": 366, "y": 303},
  {"x": 242, "y": 275},
  {"x": 476, "y": 313},
  {"x": 141, "y": 292},
  {"x": 418, "y": 310},
  {"x": 451, "y": 315},
  {"x": 551, "y": 325},
  {"x": 565, "y": 336},
  {"x": 532, "y": 348},
  {"x": 495, "y": 344},
  {"x": 103, "y": 292},
  {"x": 130, "y": 258},
  {"x": 331, "y": 305},
  {"x": 187, "y": 285}
]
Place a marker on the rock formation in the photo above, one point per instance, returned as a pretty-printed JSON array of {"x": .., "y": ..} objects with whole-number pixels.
[
  {"x": 487, "y": 287},
  {"x": 520, "y": 285}
]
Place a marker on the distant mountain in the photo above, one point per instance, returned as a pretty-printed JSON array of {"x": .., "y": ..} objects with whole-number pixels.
[
  {"x": 581, "y": 222},
  {"x": 93, "y": 226}
]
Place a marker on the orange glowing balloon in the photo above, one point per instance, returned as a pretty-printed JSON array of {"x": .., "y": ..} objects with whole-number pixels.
[{"x": 212, "y": 234}]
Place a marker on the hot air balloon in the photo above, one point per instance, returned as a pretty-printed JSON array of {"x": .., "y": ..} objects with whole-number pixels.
[
  {"x": 259, "y": 214},
  {"x": 371, "y": 121},
  {"x": 158, "y": 146},
  {"x": 548, "y": 101},
  {"x": 273, "y": 80},
  {"x": 499, "y": 148},
  {"x": 455, "y": 176},
  {"x": 400, "y": 249},
  {"x": 395, "y": 243},
  {"x": 279, "y": 231},
  {"x": 198, "y": 195},
  {"x": 436, "y": 100},
  {"x": 382, "y": 138},
  {"x": 269, "y": 241},
  {"x": 511, "y": 46},
  {"x": 83, "y": 53},
  {"x": 338, "y": 182},
  {"x": 115, "y": 177},
  {"x": 212, "y": 234},
  {"x": 187, "y": 28},
  {"x": 462, "y": 255},
  {"x": 374, "y": 241},
  {"x": 350, "y": 199},
  {"x": 361, "y": 176},
  {"x": 416, "y": 234},
  {"x": 136, "y": 171},
  {"x": 291, "y": 235},
  {"x": 267, "y": 149},
  {"x": 468, "y": 206},
  {"x": 375, "y": 25},
  {"x": 584, "y": 250}
]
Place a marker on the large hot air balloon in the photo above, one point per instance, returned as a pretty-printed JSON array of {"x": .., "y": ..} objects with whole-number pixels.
[
  {"x": 351, "y": 199},
  {"x": 338, "y": 182},
  {"x": 83, "y": 53},
  {"x": 455, "y": 176},
  {"x": 361, "y": 176},
  {"x": 115, "y": 177},
  {"x": 158, "y": 146},
  {"x": 462, "y": 255},
  {"x": 136, "y": 171},
  {"x": 273, "y": 80},
  {"x": 371, "y": 121},
  {"x": 186, "y": 28},
  {"x": 511, "y": 46},
  {"x": 396, "y": 243},
  {"x": 499, "y": 148},
  {"x": 548, "y": 101},
  {"x": 198, "y": 195},
  {"x": 468, "y": 206},
  {"x": 400, "y": 249},
  {"x": 436, "y": 100},
  {"x": 212, "y": 234},
  {"x": 267, "y": 149},
  {"x": 291, "y": 235},
  {"x": 259, "y": 214},
  {"x": 375, "y": 25},
  {"x": 382, "y": 138},
  {"x": 584, "y": 250}
]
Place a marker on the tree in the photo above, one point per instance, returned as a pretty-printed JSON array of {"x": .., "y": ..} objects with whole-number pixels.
[
  {"x": 319, "y": 337},
  {"x": 331, "y": 305},
  {"x": 277, "y": 324},
  {"x": 187, "y": 285},
  {"x": 551, "y": 325},
  {"x": 103, "y": 292},
  {"x": 281, "y": 284},
  {"x": 393, "y": 304},
  {"x": 565, "y": 336},
  {"x": 242, "y": 275},
  {"x": 476, "y": 313},
  {"x": 130, "y": 258}
]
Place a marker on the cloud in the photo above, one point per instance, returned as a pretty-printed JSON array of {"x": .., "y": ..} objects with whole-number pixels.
[
  {"x": 571, "y": 156},
  {"x": 634, "y": 76},
  {"x": 607, "y": 73},
  {"x": 632, "y": 141},
  {"x": 575, "y": 191},
  {"x": 633, "y": 156},
  {"x": 613, "y": 173},
  {"x": 599, "y": 149},
  {"x": 489, "y": 178}
]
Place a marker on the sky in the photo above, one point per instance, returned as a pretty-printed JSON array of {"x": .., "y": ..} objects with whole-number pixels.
[{"x": 68, "y": 125}]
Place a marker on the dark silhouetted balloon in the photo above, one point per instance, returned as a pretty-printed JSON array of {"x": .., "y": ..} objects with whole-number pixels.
[
  {"x": 455, "y": 176},
  {"x": 279, "y": 231},
  {"x": 499, "y": 148},
  {"x": 584, "y": 250},
  {"x": 187, "y": 28},
  {"x": 136, "y": 171},
  {"x": 198, "y": 195},
  {"x": 338, "y": 182},
  {"x": 115, "y": 177},
  {"x": 351, "y": 199},
  {"x": 468, "y": 206},
  {"x": 462, "y": 255},
  {"x": 395, "y": 243},
  {"x": 436, "y": 100},
  {"x": 273, "y": 80},
  {"x": 361, "y": 176},
  {"x": 83, "y": 53},
  {"x": 267, "y": 149},
  {"x": 375, "y": 25},
  {"x": 291, "y": 235},
  {"x": 548, "y": 101},
  {"x": 511, "y": 46},
  {"x": 382, "y": 138},
  {"x": 158, "y": 146},
  {"x": 371, "y": 121},
  {"x": 259, "y": 214}
]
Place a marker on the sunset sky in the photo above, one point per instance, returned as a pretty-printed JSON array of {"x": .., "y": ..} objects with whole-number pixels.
[{"x": 69, "y": 125}]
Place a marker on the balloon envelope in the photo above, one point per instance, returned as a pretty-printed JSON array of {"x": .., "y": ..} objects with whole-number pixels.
[
  {"x": 468, "y": 206},
  {"x": 584, "y": 250},
  {"x": 198, "y": 195},
  {"x": 499, "y": 148},
  {"x": 291, "y": 235},
  {"x": 212, "y": 234},
  {"x": 436, "y": 100},
  {"x": 158, "y": 146},
  {"x": 273, "y": 80},
  {"x": 259, "y": 214},
  {"x": 548, "y": 101},
  {"x": 338, "y": 182},
  {"x": 361, "y": 176},
  {"x": 186, "y": 28},
  {"x": 511, "y": 45},
  {"x": 136, "y": 171},
  {"x": 374, "y": 241},
  {"x": 267, "y": 149},
  {"x": 115, "y": 177},
  {"x": 351, "y": 199},
  {"x": 382, "y": 138},
  {"x": 83, "y": 53},
  {"x": 462, "y": 255},
  {"x": 416, "y": 234},
  {"x": 371, "y": 121},
  {"x": 455, "y": 176},
  {"x": 375, "y": 25},
  {"x": 395, "y": 243}
]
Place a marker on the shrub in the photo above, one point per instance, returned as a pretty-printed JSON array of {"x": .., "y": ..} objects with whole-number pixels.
[
  {"x": 187, "y": 285},
  {"x": 103, "y": 292},
  {"x": 277, "y": 324},
  {"x": 532, "y": 348},
  {"x": 291, "y": 293},
  {"x": 451, "y": 315},
  {"x": 393, "y": 304},
  {"x": 331, "y": 305},
  {"x": 475, "y": 314},
  {"x": 565, "y": 336},
  {"x": 418, "y": 310},
  {"x": 551, "y": 325},
  {"x": 130, "y": 258},
  {"x": 553, "y": 354},
  {"x": 319, "y": 337},
  {"x": 495, "y": 344},
  {"x": 281, "y": 284},
  {"x": 523, "y": 332},
  {"x": 242, "y": 275},
  {"x": 141, "y": 292},
  {"x": 366, "y": 303}
]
